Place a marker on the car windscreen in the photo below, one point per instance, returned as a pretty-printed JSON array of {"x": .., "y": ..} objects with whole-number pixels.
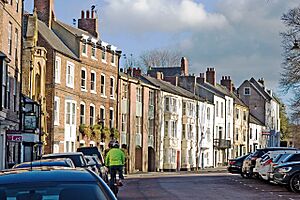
[
  {"x": 52, "y": 191},
  {"x": 77, "y": 159}
]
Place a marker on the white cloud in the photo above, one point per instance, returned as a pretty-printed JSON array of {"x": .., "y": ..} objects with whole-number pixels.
[{"x": 140, "y": 16}]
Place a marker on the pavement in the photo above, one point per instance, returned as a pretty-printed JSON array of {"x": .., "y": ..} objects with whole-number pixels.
[{"x": 179, "y": 173}]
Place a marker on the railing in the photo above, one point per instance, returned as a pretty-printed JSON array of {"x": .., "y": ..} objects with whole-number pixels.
[{"x": 222, "y": 143}]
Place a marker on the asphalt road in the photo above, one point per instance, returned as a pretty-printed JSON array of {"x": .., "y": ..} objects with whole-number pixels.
[{"x": 213, "y": 186}]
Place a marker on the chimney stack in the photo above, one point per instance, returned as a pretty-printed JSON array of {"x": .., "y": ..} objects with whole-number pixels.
[
  {"x": 201, "y": 79},
  {"x": 227, "y": 82},
  {"x": 137, "y": 72},
  {"x": 261, "y": 81},
  {"x": 211, "y": 76},
  {"x": 159, "y": 76},
  {"x": 89, "y": 24},
  {"x": 184, "y": 66},
  {"x": 45, "y": 11},
  {"x": 129, "y": 71}
]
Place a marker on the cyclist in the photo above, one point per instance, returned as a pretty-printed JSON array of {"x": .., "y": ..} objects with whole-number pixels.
[{"x": 115, "y": 160}]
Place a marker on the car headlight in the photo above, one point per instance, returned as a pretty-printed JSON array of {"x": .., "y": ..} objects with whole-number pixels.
[{"x": 284, "y": 169}]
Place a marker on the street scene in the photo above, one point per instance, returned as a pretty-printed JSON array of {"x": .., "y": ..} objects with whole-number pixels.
[{"x": 149, "y": 99}]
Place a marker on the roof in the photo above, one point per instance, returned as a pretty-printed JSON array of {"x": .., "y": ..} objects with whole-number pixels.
[
  {"x": 212, "y": 89},
  {"x": 238, "y": 101},
  {"x": 45, "y": 174},
  {"x": 167, "y": 71},
  {"x": 254, "y": 120},
  {"x": 53, "y": 40},
  {"x": 260, "y": 89},
  {"x": 168, "y": 87},
  {"x": 75, "y": 31}
]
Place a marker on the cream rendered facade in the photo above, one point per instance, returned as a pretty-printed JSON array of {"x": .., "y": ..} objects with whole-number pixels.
[
  {"x": 240, "y": 145},
  {"x": 189, "y": 134},
  {"x": 170, "y": 132}
]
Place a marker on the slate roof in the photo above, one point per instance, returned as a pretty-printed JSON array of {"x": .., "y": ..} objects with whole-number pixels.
[
  {"x": 254, "y": 120},
  {"x": 73, "y": 30},
  {"x": 260, "y": 89},
  {"x": 54, "y": 40},
  {"x": 167, "y": 71},
  {"x": 168, "y": 87}
]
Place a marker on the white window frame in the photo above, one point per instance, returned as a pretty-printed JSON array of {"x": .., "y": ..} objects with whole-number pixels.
[
  {"x": 71, "y": 75},
  {"x": 245, "y": 91},
  {"x": 56, "y": 111},
  {"x": 139, "y": 94},
  {"x": 102, "y": 108},
  {"x": 83, "y": 88},
  {"x": 94, "y": 115},
  {"x": 85, "y": 45},
  {"x": 57, "y": 69},
  {"x": 105, "y": 54},
  {"x": 84, "y": 115},
  {"x": 113, "y": 58},
  {"x": 94, "y": 51},
  {"x": 112, "y": 88},
  {"x": 102, "y": 93},
  {"x": 95, "y": 81},
  {"x": 10, "y": 30},
  {"x": 111, "y": 121}
]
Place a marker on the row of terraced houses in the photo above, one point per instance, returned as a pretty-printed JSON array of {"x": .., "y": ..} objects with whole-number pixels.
[{"x": 62, "y": 87}]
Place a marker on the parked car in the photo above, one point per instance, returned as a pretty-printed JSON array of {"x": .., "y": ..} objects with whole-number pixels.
[
  {"x": 58, "y": 162},
  {"x": 235, "y": 165},
  {"x": 90, "y": 161},
  {"x": 264, "y": 164},
  {"x": 250, "y": 162},
  {"x": 53, "y": 183},
  {"x": 288, "y": 174},
  {"x": 277, "y": 161},
  {"x": 77, "y": 158},
  {"x": 92, "y": 151},
  {"x": 100, "y": 167}
]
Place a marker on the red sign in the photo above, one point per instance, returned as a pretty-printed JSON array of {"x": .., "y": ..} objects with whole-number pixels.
[{"x": 14, "y": 138}]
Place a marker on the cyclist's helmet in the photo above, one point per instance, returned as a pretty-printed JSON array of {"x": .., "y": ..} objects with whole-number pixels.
[{"x": 116, "y": 144}]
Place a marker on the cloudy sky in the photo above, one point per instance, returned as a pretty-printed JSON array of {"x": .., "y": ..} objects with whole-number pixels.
[{"x": 239, "y": 38}]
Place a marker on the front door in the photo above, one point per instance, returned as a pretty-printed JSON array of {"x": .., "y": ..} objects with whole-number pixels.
[{"x": 70, "y": 126}]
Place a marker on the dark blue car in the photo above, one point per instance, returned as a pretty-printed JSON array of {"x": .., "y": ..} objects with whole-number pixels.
[{"x": 53, "y": 183}]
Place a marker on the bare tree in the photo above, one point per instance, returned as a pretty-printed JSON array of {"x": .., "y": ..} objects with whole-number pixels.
[
  {"x": 159, "y": 58},
  {"x": 290, "y": 77}
]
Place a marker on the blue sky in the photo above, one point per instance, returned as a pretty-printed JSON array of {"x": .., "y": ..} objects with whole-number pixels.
[{"x": 239, "y": 38}]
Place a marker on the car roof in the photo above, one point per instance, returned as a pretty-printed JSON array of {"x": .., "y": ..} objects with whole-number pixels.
[
  {"x": 277, "y": 148},
  {"x": 45, "y": 174},
  {"x": 52, "y": 160},
  {"x": 63, "y": 154}
]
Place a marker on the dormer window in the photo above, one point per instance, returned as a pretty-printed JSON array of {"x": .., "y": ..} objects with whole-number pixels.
[
  {"x": 84, "y": 47},
  {"x": 104, "y": 54},
  {"x": 94, "y": 51},
  {"x": 113, "y": 58}
]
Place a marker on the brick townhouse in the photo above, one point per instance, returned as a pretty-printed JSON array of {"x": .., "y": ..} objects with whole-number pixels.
[
  {"x": 81, "y": 81},
  {"x": 10, "y": 60}
]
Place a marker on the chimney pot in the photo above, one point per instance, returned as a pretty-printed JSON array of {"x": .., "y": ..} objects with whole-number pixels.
[
  {"x": 82, "y": 14},
  {"x": 87, "y": 14},
  {"x": 93, "y": 14}
]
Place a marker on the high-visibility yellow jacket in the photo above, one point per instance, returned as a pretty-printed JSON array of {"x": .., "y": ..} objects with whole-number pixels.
[{"x": 115, "y": 157}]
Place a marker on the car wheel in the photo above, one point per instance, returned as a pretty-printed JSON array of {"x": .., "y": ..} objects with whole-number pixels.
[
  {"x": 243, "y": 175},
  {"x": 295, "y": 183}
]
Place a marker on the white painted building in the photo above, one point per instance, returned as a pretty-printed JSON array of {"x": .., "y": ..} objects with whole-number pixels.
[{"x": 206, "y": 127}]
